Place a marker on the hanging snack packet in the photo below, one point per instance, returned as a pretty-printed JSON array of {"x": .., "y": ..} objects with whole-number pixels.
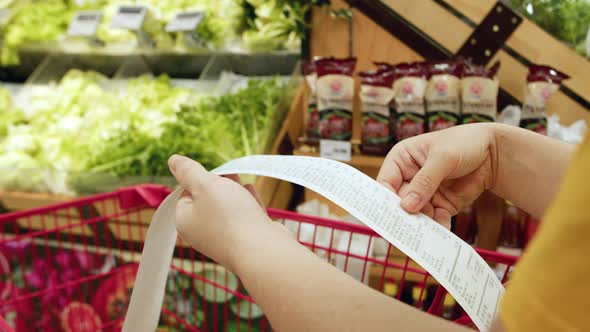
[
  {"x": 409, "y": 88},
  {"x": 335, "y": 92},
  {"x": 443, "y": 104},
  {"x": 312, "y": 123},
  {"x": 542, "y": 83},
  {"x": 479, "y": 92},
  {"x": 376, "y": 125}
]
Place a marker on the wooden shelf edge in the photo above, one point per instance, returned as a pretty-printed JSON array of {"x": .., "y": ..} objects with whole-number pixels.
[{"x": 17, "y": 200}]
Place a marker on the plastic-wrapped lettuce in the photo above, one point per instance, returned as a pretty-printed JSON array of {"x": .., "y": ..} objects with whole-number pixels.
[
  {"x": 276, "y": 25},
  {"x": 63, "y": 124},
  {"x": 8, "y": 113},
  {"x": 75, "y": 134},
  {"x": 70, "y": 124},
  {"x": 22, "y": 172},
  {"x": 34, "y": 22},
  {"x": 220, "y": 26},
  {"x": 153, "y": 26},
  {"x": 114, "y": 36}
]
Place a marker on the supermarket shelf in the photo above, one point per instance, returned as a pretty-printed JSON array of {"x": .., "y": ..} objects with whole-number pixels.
[
  {"x": 179, "y": 63},
  {"x": 358, "y": 161}
]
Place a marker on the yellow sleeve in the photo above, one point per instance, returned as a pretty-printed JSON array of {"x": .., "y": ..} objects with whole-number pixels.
[{"x": 550, "y": 288}]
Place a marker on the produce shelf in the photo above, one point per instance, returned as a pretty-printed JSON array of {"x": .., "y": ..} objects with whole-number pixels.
[{"x": 178, "y": 63}]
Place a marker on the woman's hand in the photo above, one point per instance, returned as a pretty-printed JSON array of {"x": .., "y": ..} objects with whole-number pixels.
[
  {"x": 217, "y": 216},
  {"x": 440, "y": 172}
]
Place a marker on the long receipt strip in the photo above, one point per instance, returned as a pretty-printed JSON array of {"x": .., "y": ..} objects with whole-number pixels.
[{"x": 452, "y": 262}]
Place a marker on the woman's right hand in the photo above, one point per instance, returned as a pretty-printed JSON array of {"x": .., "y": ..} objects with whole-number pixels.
[{"x": 440, "y": 172}]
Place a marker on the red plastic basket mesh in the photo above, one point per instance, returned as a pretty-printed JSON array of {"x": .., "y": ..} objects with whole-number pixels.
[{"x": 71, "y": 267}]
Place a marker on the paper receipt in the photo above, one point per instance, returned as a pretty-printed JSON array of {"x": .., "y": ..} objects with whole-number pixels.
[{"x": 452, "y": 262}]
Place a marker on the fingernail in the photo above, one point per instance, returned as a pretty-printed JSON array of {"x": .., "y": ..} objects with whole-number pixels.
[
  {"x": 411, "y": 201},
  {"x": 173, "y": 162}
]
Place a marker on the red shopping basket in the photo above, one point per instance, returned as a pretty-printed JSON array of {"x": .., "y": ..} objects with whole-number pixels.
[{"x": 71, "y": 267}]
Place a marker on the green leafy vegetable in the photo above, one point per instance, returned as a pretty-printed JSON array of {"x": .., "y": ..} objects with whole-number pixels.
[
  {"x": 34, "y": 22},
  {"x": 74, "y": 135},
  {"x": 567, "y": 20},
  {"x": 211, "y": 130},
  {"x": 229, "y": 24}
]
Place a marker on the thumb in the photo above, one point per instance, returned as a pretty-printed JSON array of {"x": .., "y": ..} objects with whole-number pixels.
[
  {"x": 191, "y": 175},
  {"x": 425, "y": 183}
]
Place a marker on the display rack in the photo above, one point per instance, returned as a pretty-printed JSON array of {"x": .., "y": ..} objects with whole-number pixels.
[
  {"x": 454, "y": 27},
  {"x": 54, "y": 66},
  {"x": 409, "y": 30}
]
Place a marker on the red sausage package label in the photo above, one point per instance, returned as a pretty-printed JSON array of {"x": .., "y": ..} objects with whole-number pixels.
[
  {"x": 479, "y": 91},
  {"x": 442, "y": 95},
  {"x": 376, "y": 94},
  {"x": 409, "y": 89},
  {"x": 335, "y": 92},
  {"x": 542, "y": 83},
  {"x": 312, "y": 124}
]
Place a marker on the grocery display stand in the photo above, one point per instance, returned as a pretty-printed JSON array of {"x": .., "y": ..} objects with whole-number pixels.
[
  {"x": 120, "y": 68},
  {"x": 95, "y": 243},
  {"x": 402, "y": 31}
]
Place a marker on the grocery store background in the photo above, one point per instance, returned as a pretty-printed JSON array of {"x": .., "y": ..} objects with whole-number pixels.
[{"x": 96, "y": 95}]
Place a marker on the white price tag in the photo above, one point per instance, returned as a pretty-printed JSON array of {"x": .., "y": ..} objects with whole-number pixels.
[
  {"x": 337, "y": 150},
  {"x": 129, "y": 18},
  {"x": 185, "y": 21},
  {"x": 85, "y": 24}
]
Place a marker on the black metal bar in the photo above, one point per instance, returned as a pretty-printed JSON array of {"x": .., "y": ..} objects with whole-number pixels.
[
  {"x": 456, "y": 13},
  {"x": 350, "y": 33},
  {"x": 490, "y": 35},
  {"x": 306, "y": 40}
]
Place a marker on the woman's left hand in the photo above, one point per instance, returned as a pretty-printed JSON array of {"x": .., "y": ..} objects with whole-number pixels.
[{"x": 216, "y": 215}]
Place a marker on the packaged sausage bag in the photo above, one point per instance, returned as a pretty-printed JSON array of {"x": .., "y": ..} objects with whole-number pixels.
[
  {"x": 312, "y": 122},
  {"x": 377, "y": 121},
  {"x": 443, "y": 103},
  {"x": 335, "y": 92},
  {"x": 479, "y": 93},
  {"x": 409, "y": 88},
  {"x": 542, "y": 83}
]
